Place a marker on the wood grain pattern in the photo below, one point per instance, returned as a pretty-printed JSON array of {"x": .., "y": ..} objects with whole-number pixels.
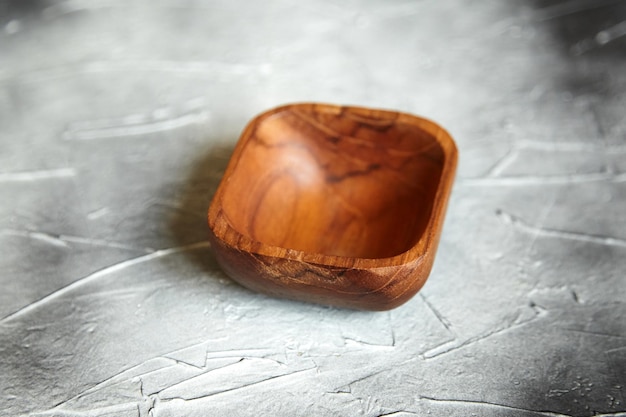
[{"x": 334, "y": 205}]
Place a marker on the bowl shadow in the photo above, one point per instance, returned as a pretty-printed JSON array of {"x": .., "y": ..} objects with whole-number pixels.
[{"x": 188, "y": 224}]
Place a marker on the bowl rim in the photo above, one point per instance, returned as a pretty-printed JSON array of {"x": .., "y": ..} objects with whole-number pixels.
[{"x": 427, "y": 242}]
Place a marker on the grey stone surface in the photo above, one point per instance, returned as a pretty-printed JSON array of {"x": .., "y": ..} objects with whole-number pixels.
[{"x": 117, "y": 119}]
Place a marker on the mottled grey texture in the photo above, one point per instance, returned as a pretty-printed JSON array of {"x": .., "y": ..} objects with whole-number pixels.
[{"x": 117, "y": 119}]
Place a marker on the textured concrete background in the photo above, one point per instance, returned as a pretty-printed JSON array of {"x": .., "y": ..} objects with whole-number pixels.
[{"x": 117, "y": 119}]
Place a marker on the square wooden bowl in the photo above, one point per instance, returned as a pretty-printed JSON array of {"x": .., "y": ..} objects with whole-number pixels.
[{"x": 335, "y": 205}]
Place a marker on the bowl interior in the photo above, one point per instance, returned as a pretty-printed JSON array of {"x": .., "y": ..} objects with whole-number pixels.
[{"x": 334, "y": 181}]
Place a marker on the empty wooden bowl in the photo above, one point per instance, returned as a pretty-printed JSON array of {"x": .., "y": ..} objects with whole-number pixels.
[{"x": 334, "y": 205}]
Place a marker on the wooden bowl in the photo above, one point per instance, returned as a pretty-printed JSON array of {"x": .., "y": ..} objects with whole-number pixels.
[{"x": 334, "y": 205}]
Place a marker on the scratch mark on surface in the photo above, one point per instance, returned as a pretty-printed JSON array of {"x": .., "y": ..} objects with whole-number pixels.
[
  {"x": 601, "y": 38},
  {"x": 571, "y": 7},
  {"x": 599, "y": 334},
  {"x": 114, "y": 410},
  {"x": 545, "y": 232},
  {"x": 184, "y": 363},
  {"x": 63, "y": 240},
  {"x": 454, "y": 345},
  {"x": 617, "y": 349},
  {"x": 116, "y": 379},
  {"x": 255, "y": 353},
  {"x": 251, "y": 384},
  {"x": 570, "y": 146},
  {"x": 65, "y": 7},
  {"x": 349, "y": 341},
  {"x": 498, "y": 168},
  {"x": 364, "y": 378},
  {"x": 96, "y": 214},
  {"x": 202, "y": 375},
  {"x": 29, "y": 176},
  {"x": 398, "y": 413},
  {"x": 444, "y": 321},
  {"x": 135, "y": 130},
  {"x": 491, "y": 405},
  {"x": 208, "y": 68},
  {"x": 43, "y": 237},
  {"x": 539, "y": 180},
  {"x": 102, "y": 273},
  {"x": 72, "y": 6},
  {"x": 172, "y": 353},
  {"x": 614, "y": 32}
]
